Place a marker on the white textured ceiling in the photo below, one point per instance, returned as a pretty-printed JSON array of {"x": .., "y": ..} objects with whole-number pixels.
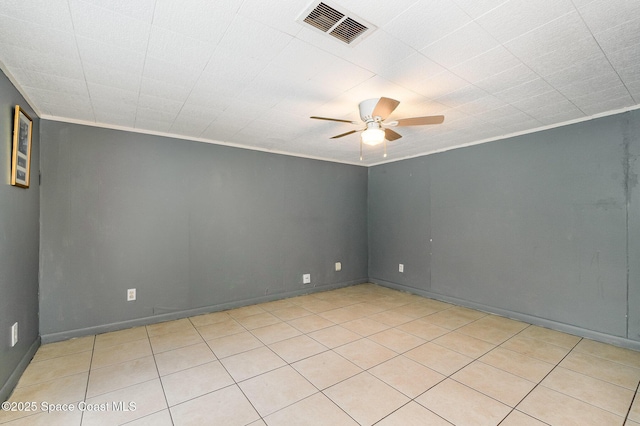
[{"x": 245, "y": 72}]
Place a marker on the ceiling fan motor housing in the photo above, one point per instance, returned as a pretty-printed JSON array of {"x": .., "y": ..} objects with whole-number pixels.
[{"x": 366, "y": 109}]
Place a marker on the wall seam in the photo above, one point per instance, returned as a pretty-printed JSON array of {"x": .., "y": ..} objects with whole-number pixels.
[{"x": 627, "y": 193}]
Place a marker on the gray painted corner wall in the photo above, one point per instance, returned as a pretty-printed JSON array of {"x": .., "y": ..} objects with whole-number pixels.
[
  {"x": 19, "y": 244},
  {"x": 536, "y": 225},
  {"x": 189, "y": 225},
  {"x": 631, "y": 136},
  {"x": 399, "y": 222}
]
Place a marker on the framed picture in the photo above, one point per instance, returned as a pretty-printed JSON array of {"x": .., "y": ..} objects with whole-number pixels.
[{"x": 21, "y": 154}]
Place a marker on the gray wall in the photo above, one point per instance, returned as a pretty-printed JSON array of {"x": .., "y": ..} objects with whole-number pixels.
[
  {"x": 191, "y": 226},
  {"x": 19, "y": 240},
  {"x": 631, "y": 134},
  {"x": 534, "y": 226}
]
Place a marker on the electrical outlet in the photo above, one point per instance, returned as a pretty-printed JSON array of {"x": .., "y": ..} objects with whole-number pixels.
[
  {"x": 338, "y": 266},
  {"x": 306, "y": 279},
  {"x": 131, "y": 294},
  {"x": 401, "y": 267},
  {"x": 14, "y": 334}
]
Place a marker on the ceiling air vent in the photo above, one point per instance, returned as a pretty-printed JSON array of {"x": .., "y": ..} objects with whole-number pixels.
[{"x": 342, "y": 25}]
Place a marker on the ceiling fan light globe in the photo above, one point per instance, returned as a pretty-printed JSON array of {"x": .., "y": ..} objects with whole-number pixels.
[{"x": 372, "y": 136}]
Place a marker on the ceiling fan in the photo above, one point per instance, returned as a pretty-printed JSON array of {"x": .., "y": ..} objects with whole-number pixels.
[{"x": 373, "y": 112}]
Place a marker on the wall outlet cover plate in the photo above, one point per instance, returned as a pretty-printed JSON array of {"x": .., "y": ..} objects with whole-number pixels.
[{"x": 14, "y": 334}]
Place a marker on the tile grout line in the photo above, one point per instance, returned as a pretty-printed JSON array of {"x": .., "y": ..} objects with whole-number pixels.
[
  {"x": 321, "y": 391},
  {"x": 635, "y": 395},
  {"x": 414, "y": 399},
  {"x": 235, "y": 382},
  {"x": 153, "y": 354},
  {"x": 540, "y": 382},
  {"x": 195, "y": 397},
  {"x": 536, "y": 385},
  {"x": 328, "y": 349},
  {"x": 86, "y": 390},
  {"x": 38, "y": 383},
  {"x": 134, "y": 384},
  {"x": 397, "y": 354},
  {"x": 450, "y": 376},
  {"x": 287, "y": 364},
  {"x": 155, "y": 363}
]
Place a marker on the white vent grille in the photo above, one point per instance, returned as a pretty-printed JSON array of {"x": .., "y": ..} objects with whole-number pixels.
[
  {"x": 323, "y": 17},
  {"x": 341, "y": 25},
  {"x": 348, "y": 30}
]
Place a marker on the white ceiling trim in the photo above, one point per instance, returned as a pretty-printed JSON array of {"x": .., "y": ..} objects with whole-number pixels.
[
  {"x": 514, "y": 134},
  {"x": 194, "y": 139},
  {"x": 353, "y": 163}
]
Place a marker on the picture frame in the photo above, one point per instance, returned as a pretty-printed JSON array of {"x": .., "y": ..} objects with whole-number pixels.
[{"x": 21, "y": 152}]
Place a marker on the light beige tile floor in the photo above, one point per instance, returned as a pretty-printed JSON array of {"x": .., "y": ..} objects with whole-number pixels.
[{"x": 360, "y": 355}]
